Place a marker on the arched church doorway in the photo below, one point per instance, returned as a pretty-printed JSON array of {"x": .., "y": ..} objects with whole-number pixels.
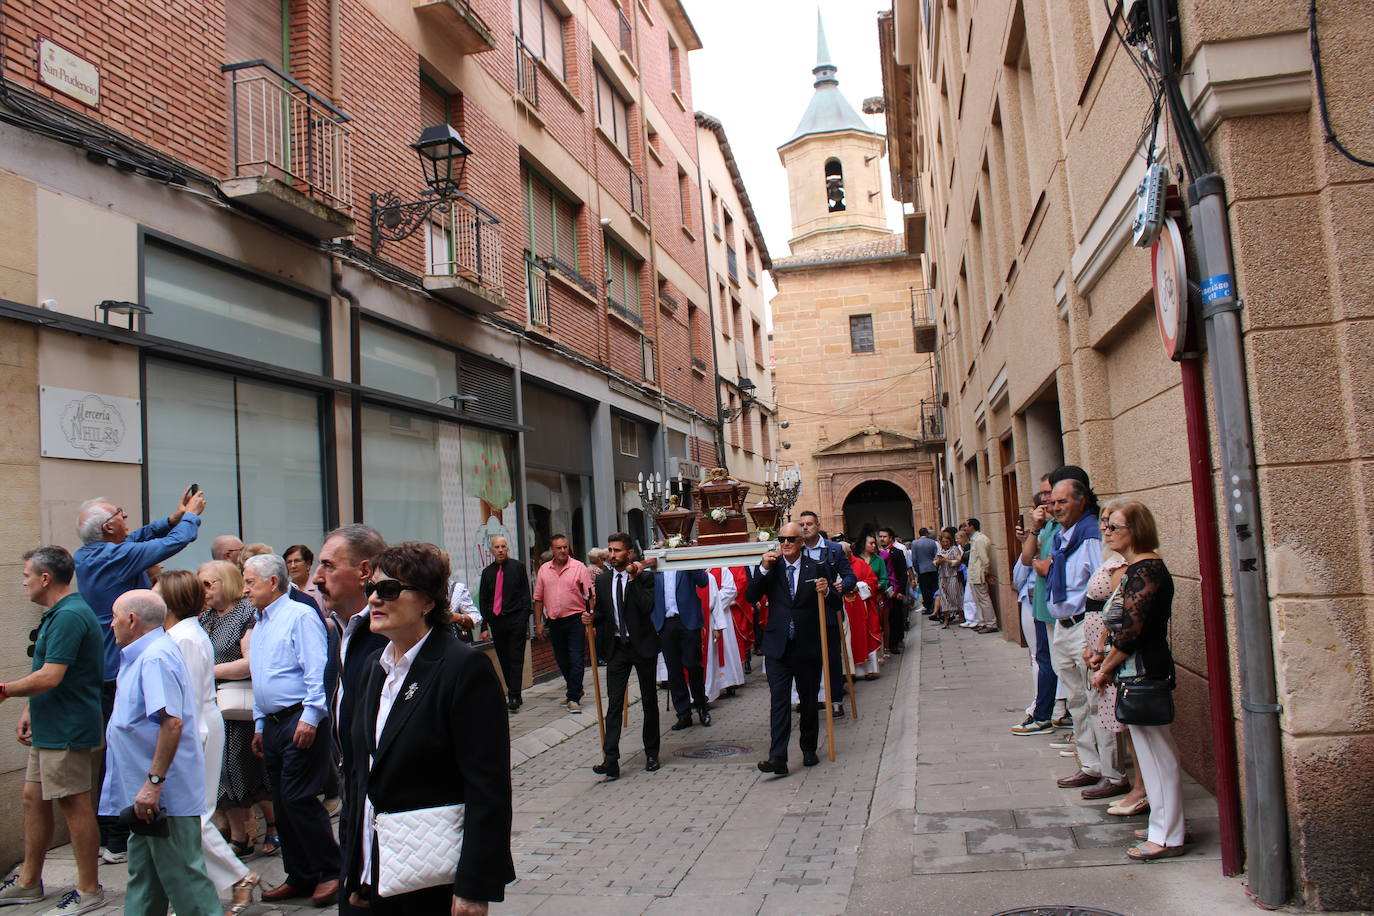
[{"x": 876, "y": 504}]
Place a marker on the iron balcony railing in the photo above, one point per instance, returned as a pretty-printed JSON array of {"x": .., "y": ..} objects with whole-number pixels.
[
  {"x": 636, "y": 193},
  {"x": 699, "y": 363},
  {"x": 752, "y": 275},
  {"x": 526, "y": 73},
  {"x": 281, "y": 130},
  {"x": 627, "y": 34},
  {"x": 732, "y": 262},
  {"x": 537, "y": 291},
  {"x": 473, "y": 237},
  {"x": 932, "y": 422}
]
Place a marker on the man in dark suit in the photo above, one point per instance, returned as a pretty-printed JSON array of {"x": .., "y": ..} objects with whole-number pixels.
[
  {"x": 897, "y": 587},
  {"x": 627, "y": 639},
  {"x": 791, "y": 643},
  {"x": 829, "y": 555},
  {"x": 503, "y": 597},
  {"x": 678, "y": 620}
]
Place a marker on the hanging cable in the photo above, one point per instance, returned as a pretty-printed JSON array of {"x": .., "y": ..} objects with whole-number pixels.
[{"x": 1320, "y": 78}]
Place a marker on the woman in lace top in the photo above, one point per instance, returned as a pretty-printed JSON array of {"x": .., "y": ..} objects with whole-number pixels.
[{"x": 1138, "y": 624}]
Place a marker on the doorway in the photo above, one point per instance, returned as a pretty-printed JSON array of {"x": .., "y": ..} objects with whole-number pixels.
[
  {"x": 1011, "y": 501},
  {"x": 876, "y": 504}
]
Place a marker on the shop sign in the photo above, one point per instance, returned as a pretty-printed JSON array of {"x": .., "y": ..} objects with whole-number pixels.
[
  {"x": 88, "y": 426},
  {"x": 68, "y": 74}
]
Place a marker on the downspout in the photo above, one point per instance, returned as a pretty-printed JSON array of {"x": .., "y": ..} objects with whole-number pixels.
[{"x": 355, "y": 375}]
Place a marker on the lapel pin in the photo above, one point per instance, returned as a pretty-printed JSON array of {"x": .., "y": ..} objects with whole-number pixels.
[{"x": 410, "y": 691}]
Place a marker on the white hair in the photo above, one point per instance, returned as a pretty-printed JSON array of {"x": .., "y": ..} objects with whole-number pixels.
[
  {"x": 492, "y": 540},
  {"x": 269, "y": 564},
  {"x": 90, "y": 521},
  {"x": 146, "y": 605}
]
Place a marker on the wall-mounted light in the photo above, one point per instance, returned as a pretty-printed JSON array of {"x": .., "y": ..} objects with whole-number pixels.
[
  {"x": 443, "y": 160},
  {"x": 455, "y": 399},
  {"x": 107, "y": 307}
]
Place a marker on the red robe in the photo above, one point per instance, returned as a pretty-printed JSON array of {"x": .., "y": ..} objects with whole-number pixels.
[{"x": 865, "y": 622}]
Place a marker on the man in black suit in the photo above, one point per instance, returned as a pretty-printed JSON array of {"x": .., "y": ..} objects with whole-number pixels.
[
  {"x": 506, "y": 614},
  {"x": 829, "y": 556},
  {"x": 626, "y": 639},
  {"x": 897, "y": 586},
  {"x": 791, "y": 643}
]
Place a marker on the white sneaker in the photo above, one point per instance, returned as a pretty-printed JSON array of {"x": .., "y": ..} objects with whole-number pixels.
[
  {"x": 12, "y": 892},
  {"x": 73, "y": 902},
  {"x": 966, "y": 624},
  {"x": 110, "y": 857},
  {"x": 573, "y": 707}
]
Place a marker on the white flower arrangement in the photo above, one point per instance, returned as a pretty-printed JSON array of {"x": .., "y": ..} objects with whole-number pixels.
[
  {"x": 718, "y": 515},
  {"x": 765, "y": 535},
  {"x": 675, "y": 541}
]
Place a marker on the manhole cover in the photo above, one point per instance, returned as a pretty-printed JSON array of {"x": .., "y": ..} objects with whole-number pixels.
[
  {"x": 1057, "y": 911},
  {"x": 712, "y": 751}
]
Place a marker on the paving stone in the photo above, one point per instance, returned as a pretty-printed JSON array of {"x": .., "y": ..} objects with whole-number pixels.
[
  {"x": 1021, "y": 839},
  {"x": 968, "y": 820}
]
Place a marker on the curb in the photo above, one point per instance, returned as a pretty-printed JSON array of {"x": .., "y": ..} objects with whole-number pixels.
[{"x": 895, "y": 790}]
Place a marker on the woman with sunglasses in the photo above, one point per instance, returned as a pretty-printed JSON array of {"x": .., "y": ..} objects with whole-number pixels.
[
  {"x": 431, "y": 732},
  {"x": 1137, "y": 618}
]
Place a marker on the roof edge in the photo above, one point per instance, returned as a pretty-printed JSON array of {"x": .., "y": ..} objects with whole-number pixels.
[
  {"x": 715, "y": 126},
  {"x": 678, "y": 14}
]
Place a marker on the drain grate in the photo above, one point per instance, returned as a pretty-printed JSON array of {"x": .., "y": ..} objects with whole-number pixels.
[
  {"x": 1057, "y": 911},
  {"x": 713, "y": 751}
]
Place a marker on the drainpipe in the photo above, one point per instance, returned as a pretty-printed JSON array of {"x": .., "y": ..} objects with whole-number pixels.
[
  {"x": 1266, "y": 812},
  {"x": 356, "y": 377}
]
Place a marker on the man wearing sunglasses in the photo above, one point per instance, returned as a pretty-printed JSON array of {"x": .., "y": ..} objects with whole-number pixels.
[
  {"x": 830, "y": 557},
  {"x": 791, "y": 643}
]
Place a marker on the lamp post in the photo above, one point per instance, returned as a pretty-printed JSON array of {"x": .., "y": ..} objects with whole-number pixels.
[{"x": 443, "y": 161}]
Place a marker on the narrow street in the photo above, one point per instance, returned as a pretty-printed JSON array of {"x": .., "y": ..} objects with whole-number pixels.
[{"x": 932, "y": 808}]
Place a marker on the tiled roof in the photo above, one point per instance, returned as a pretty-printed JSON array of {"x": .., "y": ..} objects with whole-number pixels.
[{"x": 893, "y": 246}]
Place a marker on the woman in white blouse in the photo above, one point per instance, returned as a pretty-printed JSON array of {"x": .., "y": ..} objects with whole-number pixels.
[{"x": 185, "y": 598}]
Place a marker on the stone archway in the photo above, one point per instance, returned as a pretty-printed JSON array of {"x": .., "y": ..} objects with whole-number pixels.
[{"x": 876, "y": 503}]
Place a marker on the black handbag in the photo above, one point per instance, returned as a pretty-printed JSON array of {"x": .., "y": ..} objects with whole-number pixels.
[{"x": 1145, "y": 700}]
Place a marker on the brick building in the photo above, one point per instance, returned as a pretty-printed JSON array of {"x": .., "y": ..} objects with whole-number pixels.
[
  {"x": 852, "y": 333},
  {"x": 216, "y": 237}
]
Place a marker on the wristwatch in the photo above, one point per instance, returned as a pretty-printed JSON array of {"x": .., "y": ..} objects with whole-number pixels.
[{"x": 156, "y": 780}]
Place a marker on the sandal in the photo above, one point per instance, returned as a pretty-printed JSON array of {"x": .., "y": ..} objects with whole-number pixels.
[
  {"x": 271, "y": 842},
  {"x": 243, "y": 894},
  {"x": 1143, "y": 854},
  {"x": 243, "y": 848}
]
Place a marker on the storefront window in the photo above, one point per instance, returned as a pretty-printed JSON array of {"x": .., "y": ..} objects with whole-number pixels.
[
  {"x": 404, "y": 364},
  {"x": 253, "y": 447},
  {"x": 559, "y": 504},
  {"x": 430, "y": 480},
  {"x": 201, "y": 302}
]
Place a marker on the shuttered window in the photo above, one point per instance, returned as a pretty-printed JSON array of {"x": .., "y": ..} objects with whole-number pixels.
[
  {"x": 253, "y": 31},
  {"x": 553, "y": 221},
  {"x": 540, "y": 27},
  {"x": 612, "y": 112},
  {"x": 622, "y": 280}
]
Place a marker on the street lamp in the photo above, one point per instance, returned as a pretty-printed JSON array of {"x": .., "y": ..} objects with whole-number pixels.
[
  {"x": 108, "y": 307},
  {"x": 443, "y": 160}
]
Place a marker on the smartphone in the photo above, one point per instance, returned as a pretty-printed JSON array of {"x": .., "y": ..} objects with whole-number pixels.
[
  {"x": 195, "y": 488},
  {"x": 1021, "y": 521}
]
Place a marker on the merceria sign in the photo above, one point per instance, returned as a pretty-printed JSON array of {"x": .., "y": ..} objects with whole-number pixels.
[{"x": 68, "y": 74}]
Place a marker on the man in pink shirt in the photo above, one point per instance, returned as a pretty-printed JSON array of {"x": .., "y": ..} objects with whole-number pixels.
[{"x": 560, "y": 591}]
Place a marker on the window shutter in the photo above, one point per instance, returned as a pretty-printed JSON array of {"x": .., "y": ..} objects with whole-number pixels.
[
  {"x": 541, "y": 215},
  {"x": 492, "y": 383},
  {"x": 433, "y": 105},
  {"x": 622, "y": 124},
  {"x": 553, "y": 40},
  {"x": 565, "y": 226},
  {"x": 253, "y": 31},
  {"x": 532, "y": 25}
]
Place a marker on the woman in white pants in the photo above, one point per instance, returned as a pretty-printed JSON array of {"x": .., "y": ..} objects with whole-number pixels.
[
  {"x": 1137, "y": 619},
  {"x": 185, "y": 599}
]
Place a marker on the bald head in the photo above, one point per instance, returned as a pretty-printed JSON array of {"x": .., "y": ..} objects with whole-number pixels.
[
  {"x": 790, "y": 549},
  {"x": 136, "y": 613},
  {"x": 226, "y": 547}
]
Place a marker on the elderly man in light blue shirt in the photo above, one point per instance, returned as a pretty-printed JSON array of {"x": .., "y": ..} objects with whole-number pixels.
[
  {"x": 1077, "y": 554},
  {"x": 287, "y": 664},
  {"x": 154, "y": 764}
]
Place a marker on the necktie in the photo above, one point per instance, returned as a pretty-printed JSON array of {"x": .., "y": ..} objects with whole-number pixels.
[
  {"x": 619, "y": 600},
  {"x": 792, "y": 590},
  {"x": 500, "y": 587}
]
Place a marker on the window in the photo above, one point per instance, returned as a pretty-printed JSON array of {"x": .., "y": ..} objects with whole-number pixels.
[
  {"x": 622, "y": 280},
  {"x": 834, "y": 185},
  {"x": 684, "y": 197},
  {"x": 552, "y": 222},
  {"x": 758, "y": 342},
  {"x": 254, "y": 447},
  {"x": 861, "y": 333},
  {"x": 715, "y": 213},
  {"x": 675, "y": 66},
  {"x": 612, "y": 112},
  {"x": 646, "y": 352},
  {"x": 539, "y": 24},
  {"x": 627, "y": 435},
  {"x": 406, "y": 365},
  {"x": 765, "y": 438}
]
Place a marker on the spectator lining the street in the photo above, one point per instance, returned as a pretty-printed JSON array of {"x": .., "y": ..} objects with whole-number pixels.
[
  {"x": 503, "y": 597},
  {"x": 560, "y": 590},
  {"x": 923, "y": 551},
  {"x": 61, "y": 725},
  {"x": 226, "y": 547},
  {"x": 980, "y": 578},
  {"x": 951, "y": 596},
  {"x": 1036, "y": 620}
]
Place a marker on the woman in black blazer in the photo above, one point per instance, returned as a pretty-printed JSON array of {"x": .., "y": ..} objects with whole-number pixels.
[{"x": 444, "y": 740}]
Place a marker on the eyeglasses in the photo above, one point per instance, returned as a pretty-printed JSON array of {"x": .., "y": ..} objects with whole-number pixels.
[
  {"x": 113, "y": 515},
  {"x": 388, "y": 589},
  {"x": 789, "y": 538},
  {"x": 1108, "y": 526}
]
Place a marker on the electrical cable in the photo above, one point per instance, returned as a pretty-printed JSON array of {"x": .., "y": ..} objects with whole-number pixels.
[
  {"x": 1320, "y": 78},
  {"x": 1196, "y": 159}
]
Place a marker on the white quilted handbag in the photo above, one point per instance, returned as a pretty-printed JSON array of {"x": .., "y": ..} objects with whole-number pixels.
[{"x": 417, "y": 849}]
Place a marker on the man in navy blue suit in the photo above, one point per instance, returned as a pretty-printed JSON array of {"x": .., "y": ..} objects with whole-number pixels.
[
  {"x": 678, "y": 619},
  {"x": 833, "y": 563},
  {"x": 791, "y": 643}
]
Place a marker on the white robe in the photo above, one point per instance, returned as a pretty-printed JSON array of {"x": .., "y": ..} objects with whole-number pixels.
[{"x": 723, "y": 641}]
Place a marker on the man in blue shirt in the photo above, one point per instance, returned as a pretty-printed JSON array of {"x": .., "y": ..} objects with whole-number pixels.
[
  {"x": 155, "y": 764},
  {"x": 287, "y": 663},
  {"x": 678, "y": 619},
  {"x": 923, "y": 551}
]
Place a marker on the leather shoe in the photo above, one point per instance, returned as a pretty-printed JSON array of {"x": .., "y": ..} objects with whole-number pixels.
[
  {"x": 810, "y": 758},
  {"x": 651, "y": 763},
  {"x": 773, "y": 765},
  {"x": 705, "y": 715},
  {"x": 283, "y": 891},
  {"x": 684, "y": 722},
  {"x": 1078, "y": 780},
  {"x": 1107, "y": 788},
  {"x": 608, "y": 768},
  {"x": 326, "y": 893},
  {"x": 838, "y": 711}
]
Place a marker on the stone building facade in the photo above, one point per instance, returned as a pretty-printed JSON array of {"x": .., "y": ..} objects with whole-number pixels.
[
  {"x": 187, "y": 199},
  {"x": 852, "y": 332},
  {"x": 1016, "y": 136}
]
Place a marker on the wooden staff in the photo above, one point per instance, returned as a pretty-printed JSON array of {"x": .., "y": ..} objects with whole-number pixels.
[
  {"x": 825, "y": 678},
  {"x": 847, "y": 648},
  {"x": 596, "y": 673},
  {"x": 625, "y": 717}
]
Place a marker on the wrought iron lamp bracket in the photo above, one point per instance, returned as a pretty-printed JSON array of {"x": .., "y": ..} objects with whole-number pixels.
[{"x": 394, "y": 219}]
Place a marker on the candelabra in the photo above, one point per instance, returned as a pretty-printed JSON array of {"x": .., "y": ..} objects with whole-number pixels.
[
  {"x": 781, "y": 488},
  {"x": 662, "y": 504}
]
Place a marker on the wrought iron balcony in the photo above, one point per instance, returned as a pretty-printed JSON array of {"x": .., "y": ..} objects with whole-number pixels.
[
  {"x": 526, "y": 74},
  {"x": 636, "y": 193},
  {"x": 536, "y": 291},
  {"x": 465, "y": 263},
  {"x": 627, "y": 35},
  {"x": 291, "y": 152},
  {"x": 923, "y": 330},
  {"x": 932, "y": 425},
  {"x": 732, "y": 263},
  {"x": 467, "y": 32},
  {"x": 752, "y": 275}
]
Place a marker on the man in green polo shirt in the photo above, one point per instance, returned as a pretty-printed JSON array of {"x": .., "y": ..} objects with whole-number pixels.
[{"x": 62, "y": 728}]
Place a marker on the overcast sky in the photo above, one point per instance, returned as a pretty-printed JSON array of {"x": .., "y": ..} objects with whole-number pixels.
[{"x": 754, "y": 74}]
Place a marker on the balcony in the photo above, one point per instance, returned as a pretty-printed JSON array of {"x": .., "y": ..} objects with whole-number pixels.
[
  {"x": 291, "y": 152},
  {"x": 536, "y": 292},
  {"x": 636, "y": 193},
  {"x": 923, "y": 330},
  {"x": 732, "y": 263},
  {"x": 457, "y": 21},
  {"x": 465, "y": 265},
  {"x": 526, "y": 75},
  {"x": 932, "y": 425},
  {"x": 752, "y": 275},
  {"x": 627, "y": 35},
  {"x": 699, "y": 364}
]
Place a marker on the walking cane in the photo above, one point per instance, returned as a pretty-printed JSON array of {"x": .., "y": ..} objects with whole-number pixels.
[
  {"x": 596, "y": 673},
  {"x": 848, "y": 649},
  {"x": 825, "y": 678},
  {"x": 625, "y": 717}
]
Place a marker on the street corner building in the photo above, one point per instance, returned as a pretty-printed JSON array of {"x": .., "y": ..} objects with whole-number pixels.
[
  {"x": 1018, "y": 136},
  {"x": 441, "y": 267}
]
